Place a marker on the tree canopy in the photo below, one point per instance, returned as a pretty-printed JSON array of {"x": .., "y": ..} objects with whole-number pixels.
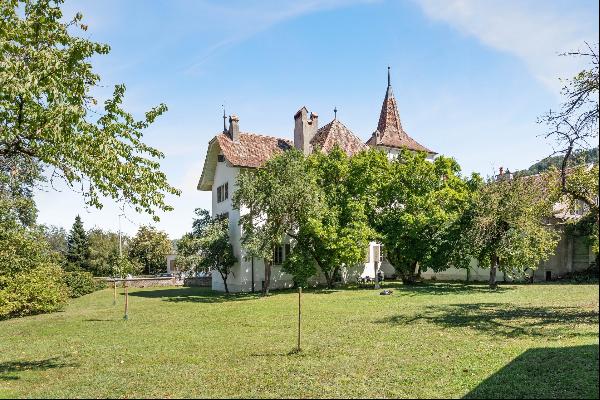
[
  {"x": 49, "y": 118},
  {"x": 278, "y": 197},
  {"x": 150, "y": 247},
  {"x": 510, "y": 227},
  {"x": 215, "y": 249},
  {"x": 78, "y": 247},
  {"x": 339, "y": 234},
  {"x": 420, "y": 211}
]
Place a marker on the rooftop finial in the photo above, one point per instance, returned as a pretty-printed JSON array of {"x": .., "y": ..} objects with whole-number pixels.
[
  {"x": 389, "y": 81},
  {"x": 335, "y": 113},
  {"x": 224, "y": 119}
]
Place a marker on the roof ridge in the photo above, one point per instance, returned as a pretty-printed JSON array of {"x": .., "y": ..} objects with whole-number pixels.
[{"x": 258, "y": 134}]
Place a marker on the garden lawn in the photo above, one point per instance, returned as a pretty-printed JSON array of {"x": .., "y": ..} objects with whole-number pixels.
[{"x": 436, "y": 340}]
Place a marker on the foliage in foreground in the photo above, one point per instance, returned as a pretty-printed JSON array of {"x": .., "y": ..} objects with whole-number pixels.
[
  {"x": 31, "y": 281},
  {"x": 47, "y": 111}
]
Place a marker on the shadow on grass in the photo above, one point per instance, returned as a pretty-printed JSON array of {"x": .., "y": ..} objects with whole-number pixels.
[
  {"x": 504, "y": 319},
  {"x": 206, "y": 295},
  {"x": 8, "y": 369},
  {"x": 544, "y": 373},
  {"x": 193, "y": 295},
  {"x": 446, "y": 288}
]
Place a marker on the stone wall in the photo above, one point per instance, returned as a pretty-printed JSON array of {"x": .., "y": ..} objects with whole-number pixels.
[
  {"x": 144, "y": 282},
  {"x": 203, "y": 282}
]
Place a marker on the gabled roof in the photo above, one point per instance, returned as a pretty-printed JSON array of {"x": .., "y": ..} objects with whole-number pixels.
[
  {"x": 336, "y": 133},
  {"x": 389, "y": 131},
  {"x": 250, "y": 151}
]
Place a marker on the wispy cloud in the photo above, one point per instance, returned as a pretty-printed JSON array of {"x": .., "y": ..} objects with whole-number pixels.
[
  {"x": 534, "y": 31},
  {"x": 244, "y": 19}
]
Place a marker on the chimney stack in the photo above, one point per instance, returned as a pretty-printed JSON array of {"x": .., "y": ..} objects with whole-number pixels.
[
  {"x": 305, "y": 129},
  {"x": 234, "y": 128}
]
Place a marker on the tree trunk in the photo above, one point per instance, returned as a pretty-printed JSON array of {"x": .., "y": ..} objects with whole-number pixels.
[
  {"x": 493, "y": 270},
  {"x": 408, "y": 275},
  {"x": 267, "y": 278},
  {"x": 224, "y": 277}
]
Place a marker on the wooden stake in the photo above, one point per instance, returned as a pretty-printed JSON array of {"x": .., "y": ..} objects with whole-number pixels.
[
  {"x": 299, "y": 314},
  {"x": 126, "y": 317},
  {"x": 114, "y": 292}
]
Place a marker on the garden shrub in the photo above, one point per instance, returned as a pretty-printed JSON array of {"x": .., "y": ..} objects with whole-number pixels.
[
  {"x": 81, "y": 283},
  {"x": 31, "y": 281},
  {"x": 34, "y": 291}
]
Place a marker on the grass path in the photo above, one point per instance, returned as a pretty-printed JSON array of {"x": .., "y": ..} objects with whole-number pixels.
[{"x": 438, "y": 340}]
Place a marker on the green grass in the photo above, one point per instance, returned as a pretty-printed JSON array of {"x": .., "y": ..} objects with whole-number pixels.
[{"x": 437, "y": 340}]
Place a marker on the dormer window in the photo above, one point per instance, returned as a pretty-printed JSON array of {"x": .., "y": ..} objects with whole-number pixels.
[{"x": 223, "y": 192}]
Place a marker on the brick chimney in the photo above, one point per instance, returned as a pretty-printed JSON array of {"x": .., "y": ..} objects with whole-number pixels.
[
  {"x": 234, "y": 128},
  {"x": 305, "y": 129}
]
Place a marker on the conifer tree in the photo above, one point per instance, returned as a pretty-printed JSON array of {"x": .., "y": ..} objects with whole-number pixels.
[{"x": 78, "y": 248}]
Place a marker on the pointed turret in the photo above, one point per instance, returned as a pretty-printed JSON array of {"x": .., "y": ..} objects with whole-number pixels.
[{"x": 389, "y": 132}]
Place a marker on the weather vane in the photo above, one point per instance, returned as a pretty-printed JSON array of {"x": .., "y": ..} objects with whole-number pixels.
[{"x": 334, "y": 112}]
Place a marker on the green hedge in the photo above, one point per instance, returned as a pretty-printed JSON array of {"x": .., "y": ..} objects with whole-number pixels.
[
  {"x": 39, "y": 290},
  {"x": 81, "y": 283}
]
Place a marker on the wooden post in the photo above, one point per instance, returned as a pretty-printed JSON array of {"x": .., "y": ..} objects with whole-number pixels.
[
  {"x": 126, "y": 317},
  {"x": 299, "y": 314},
  {"x": 114, "y": 291}
]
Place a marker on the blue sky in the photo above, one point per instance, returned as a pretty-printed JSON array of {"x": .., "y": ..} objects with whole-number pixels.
[{"x": 470, "y": 77}]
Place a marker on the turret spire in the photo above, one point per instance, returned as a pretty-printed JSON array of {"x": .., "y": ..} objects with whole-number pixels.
[
  {"x": 389, "y": 132},
  {"x": 389, "y": 80}
]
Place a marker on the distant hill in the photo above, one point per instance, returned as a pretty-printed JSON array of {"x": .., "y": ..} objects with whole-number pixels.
[{"x": 581, "y": 157}]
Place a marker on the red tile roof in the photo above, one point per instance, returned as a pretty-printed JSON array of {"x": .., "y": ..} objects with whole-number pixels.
[
  {"x": 336, "y": 133},
  {"x": 389, "y": 131},
  {"x": 251, "y": 150}
]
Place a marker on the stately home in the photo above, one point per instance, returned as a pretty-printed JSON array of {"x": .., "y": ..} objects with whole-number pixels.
[{"x": 232, "y": 150}]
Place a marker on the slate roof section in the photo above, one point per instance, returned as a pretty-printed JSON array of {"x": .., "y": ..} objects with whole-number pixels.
[
  {"x": 389, "y": 131},
  {"x": 336, "y": 133},
  {"x": 252, "y": 150}
]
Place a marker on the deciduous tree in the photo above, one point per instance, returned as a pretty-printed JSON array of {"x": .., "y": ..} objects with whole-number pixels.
[
  {"x": 339, "y": 234},
  {"x": 150, "y": 247},
  {"x": 276, "y": 200},
  {"x": 575, "y": 127},
  {"x": 510, "y": 227},
  {"x": 215, "y": 249},
  {"x": 49, "y": 115},
  {"x": 419, "y": 213},
  {"x": 104, "y": 250}
]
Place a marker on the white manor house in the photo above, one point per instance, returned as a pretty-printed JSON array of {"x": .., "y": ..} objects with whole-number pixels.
[{"x": 232, "y": 150}]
